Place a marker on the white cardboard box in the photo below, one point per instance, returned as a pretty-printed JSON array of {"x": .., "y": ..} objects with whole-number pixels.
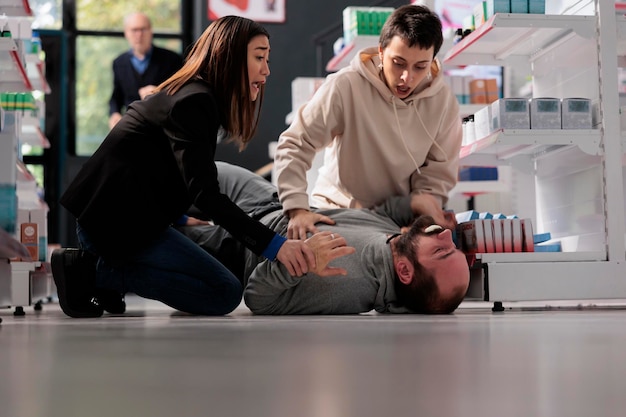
[
  {"x": 576, "y": 113},
  {"x": 545, "y": 113},
  {"x": 510, "y": 113}
]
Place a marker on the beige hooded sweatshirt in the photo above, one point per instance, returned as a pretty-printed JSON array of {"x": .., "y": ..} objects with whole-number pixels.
[{"x": 378, "y": 145}]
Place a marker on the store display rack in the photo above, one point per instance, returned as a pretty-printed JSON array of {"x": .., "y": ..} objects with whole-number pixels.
[
  {"x": 22, "y": 283},
  {"x": 599, "y": 270}
]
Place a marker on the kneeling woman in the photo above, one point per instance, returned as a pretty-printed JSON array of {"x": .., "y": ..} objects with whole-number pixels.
[{"x": 153, "y": 165}]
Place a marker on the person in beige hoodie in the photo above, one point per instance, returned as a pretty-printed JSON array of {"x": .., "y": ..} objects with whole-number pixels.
[{"x": 390, "y": 126}]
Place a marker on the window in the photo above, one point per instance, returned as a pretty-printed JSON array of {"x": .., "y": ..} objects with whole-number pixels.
[
  {"x": 99, "y": 40},
  {"x": 47, "y": 14}
]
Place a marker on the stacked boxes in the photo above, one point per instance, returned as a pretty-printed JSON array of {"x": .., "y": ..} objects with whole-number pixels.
[
  {"x": 17, "y": 101},
  {"x": 363, "y": 21},
  {"x": 535, "y": 113}
]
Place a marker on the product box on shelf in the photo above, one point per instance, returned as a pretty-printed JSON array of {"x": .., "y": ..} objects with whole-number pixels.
[
  {"x": 545, "y": 113},
  {"x": 478, "y": 174},
  {"x": 302, "y": 89},
  {"x": 537, "y": 6},
  {"x": 510, "y": 113},
  {"x": 495, "y": 235},
  {"x": 363, "y": 21},
  {"x": 483, "y": 122},
  {"x": 8, "y": 207},
  {"x": 576, "y": 113},
  {"x": 38, "y": 220},
  {"x": 480, "y": 13},
  {"x": 30, "y": 239},
  {"x": 497, "y": 6},
  {"x": 519, "y": 6},
  {"x": 459, "y": 84},
  {"x": 483, "y": 91}
]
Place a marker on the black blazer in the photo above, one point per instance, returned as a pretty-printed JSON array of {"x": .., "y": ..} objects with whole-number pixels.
[
  {"x": 127, "y": 81},
  {"x": 155, "y": 163}
]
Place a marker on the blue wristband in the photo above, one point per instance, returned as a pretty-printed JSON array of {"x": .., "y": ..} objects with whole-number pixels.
[
  {"x": 182, "y": 220},
  {"x": 272, "y": 249}
]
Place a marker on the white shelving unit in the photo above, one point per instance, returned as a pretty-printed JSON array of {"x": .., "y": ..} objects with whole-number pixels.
[
  {"x": 22, "y": 283},
  {"x": 348, "y": 52},
  {"x": 575, "y": 179}
]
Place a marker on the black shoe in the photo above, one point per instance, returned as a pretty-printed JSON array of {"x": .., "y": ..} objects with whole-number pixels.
[
  {"x": 74, "y": 273},
  {"x": 111, "y": 301}
]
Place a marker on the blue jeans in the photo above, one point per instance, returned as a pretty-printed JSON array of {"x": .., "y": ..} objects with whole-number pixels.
[{"x": 173, "y": 270}]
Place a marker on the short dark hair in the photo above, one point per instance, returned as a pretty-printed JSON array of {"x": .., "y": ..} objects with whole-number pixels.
[
  {"x": 417, "y": 25},
  {"x": 422, "y": 295}
]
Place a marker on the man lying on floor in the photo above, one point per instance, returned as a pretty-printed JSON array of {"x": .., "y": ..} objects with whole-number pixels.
[{"x": 420, "y": 271}]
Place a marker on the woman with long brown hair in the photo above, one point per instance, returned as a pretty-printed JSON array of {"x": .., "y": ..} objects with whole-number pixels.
[{"x": 157, "y": 162}]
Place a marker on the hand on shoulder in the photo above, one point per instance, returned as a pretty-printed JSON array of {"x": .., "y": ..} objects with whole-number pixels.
[{"x": 302, "y": 221}]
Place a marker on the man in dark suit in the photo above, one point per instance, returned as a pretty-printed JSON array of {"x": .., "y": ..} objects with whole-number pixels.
[{"x": 137, "y": 71}]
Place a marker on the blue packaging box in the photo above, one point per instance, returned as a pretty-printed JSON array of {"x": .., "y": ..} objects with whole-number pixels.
[{"x": 478, "y": 174}]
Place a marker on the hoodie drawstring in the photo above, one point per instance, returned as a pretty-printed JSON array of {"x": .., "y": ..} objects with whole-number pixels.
[{"x": 406, "y": 147}]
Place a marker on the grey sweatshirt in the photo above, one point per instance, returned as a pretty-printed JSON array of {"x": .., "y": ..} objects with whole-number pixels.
[{"x": 369, "y": 284}]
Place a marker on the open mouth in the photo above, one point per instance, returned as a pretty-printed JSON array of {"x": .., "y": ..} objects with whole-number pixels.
[{"x": 402, "y": 89}]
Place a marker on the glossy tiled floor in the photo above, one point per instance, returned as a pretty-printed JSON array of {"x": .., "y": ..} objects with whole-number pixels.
[{"x": 155, "y": 362}]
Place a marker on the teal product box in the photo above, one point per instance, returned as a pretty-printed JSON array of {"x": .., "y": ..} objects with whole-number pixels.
[
  {"x": 541, "y": 237},
  {"x": 537, "y": 6},
  {"x": 519, "y": 6},
  {"x": 497, "y": 6},
  {"x": 8, "y": 207},
  {"x": 466, "y": 216},
  {"x": 552, "y": 247}
]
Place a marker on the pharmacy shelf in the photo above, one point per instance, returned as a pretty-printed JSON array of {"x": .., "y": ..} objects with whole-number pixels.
[
  {"x": 35, "y": 70},
  {"x": 513, "y": 257},
  {"x": 16, "y": 8},
  {"x": 621, "y": 40},
  {"x": 13, "y": 76},
  {"x": 33, "y": 136},
  {"x": 505, "y": 144},
  {"x": 571, "y": 279},
  {"x": 343, "y": 58},
  {"x": 514, "y": 38}
]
